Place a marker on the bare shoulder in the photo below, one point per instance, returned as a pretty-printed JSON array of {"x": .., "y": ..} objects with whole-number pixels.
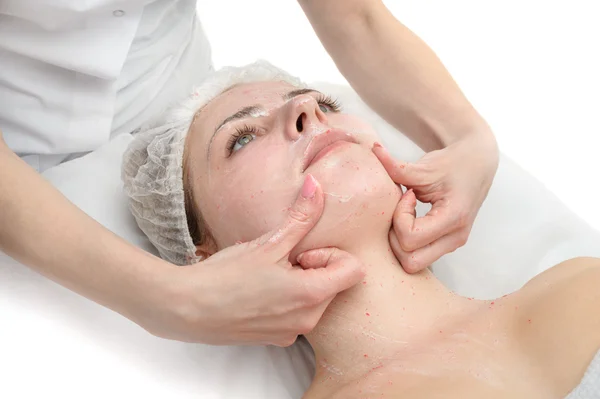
[
  {"x": 566, "y": 291},
  {"x": 558, "y": 323},
  {"x": 565, "y": 273}
]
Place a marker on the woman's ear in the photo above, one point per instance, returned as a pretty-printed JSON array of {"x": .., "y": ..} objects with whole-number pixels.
[{"x": 207, "y": 249}]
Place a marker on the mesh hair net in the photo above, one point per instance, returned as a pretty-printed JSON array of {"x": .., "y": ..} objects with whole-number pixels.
[{"x": 152, "y": 170}]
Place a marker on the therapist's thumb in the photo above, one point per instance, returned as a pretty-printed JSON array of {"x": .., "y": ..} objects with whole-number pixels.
[
  {"x": 329, "y": 271},
  {"x": 301, "y": 218},
  {"x": 405, "y": 173}
]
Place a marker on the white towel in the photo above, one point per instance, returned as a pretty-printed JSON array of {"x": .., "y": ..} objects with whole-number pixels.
[{"x": 589, "y": 387}]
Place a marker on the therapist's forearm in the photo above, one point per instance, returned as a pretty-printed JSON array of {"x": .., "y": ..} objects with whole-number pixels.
[
  {"x": 40, "y": 228},
  {"x": 394, "y": 71}
]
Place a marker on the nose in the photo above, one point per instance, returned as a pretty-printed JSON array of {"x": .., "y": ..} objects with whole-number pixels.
[{"x": 303, "y": 115}]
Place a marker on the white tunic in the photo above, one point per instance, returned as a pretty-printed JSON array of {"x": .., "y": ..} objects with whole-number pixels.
[{"x": 75, "y": 73}]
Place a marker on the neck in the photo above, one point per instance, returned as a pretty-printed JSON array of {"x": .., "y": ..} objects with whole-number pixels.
[{"x": 387, "y": 314}]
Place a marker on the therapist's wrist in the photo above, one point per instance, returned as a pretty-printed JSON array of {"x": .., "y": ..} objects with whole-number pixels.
[
  {"x": 172, "y": 301},
  {"x": 439, "y": 135},
  {"x": 146, "y": 295},
  {"x": 447, "y": 134},
  {"x": 478, "y": 140}
]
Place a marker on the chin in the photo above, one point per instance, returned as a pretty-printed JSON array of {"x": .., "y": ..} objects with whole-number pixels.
[{"x": 360, "y": 198}]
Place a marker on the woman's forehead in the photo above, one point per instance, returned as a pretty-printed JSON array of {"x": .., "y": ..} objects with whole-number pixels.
[
  {"x": 232, "y": 100},
  {"x": 239, "y": 96},
  {"x": 254, "y": 91}
]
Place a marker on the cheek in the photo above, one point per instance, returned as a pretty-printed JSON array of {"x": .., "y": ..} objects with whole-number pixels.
[
  {"x": 359, "y": 197},
  {"x": 356, "y": 177},
  {"x": 252, "y": 195}
]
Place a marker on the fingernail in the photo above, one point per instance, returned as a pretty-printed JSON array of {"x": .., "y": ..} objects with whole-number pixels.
[
  {"x": 377, "y": 145},
  {"x": 309, "y": 187},
  {"x": 299, "y": 257}
]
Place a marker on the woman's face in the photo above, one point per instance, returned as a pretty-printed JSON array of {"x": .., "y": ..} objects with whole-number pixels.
[{"x": 250, "y": 149}]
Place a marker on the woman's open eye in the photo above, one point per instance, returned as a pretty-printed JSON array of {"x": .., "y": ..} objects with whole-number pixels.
[
  {"x": 328, "y": 104},
  {"x": 242, "y": 141},
  {"x": 240, "y": 138}
]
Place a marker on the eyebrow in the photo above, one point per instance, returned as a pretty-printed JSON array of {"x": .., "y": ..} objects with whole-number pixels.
[
  {"x": 241, "y": 114},
  {"x": 298, "y": 92},
  {"x": 249, "y": 111}
]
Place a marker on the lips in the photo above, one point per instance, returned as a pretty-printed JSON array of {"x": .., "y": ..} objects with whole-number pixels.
[{"x": 321, "y": 143}]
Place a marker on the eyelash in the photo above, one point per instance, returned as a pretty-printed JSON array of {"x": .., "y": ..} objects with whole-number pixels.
[
  {"x": 322, "y": 99},
  {"x": 239, "y": 132},
  {"x": 332, "y": 103}
]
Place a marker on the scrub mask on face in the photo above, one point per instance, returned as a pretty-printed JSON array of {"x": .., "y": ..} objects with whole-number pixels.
[
  {"x": 273, "y": 160},
  {"x": 152, "y": 170},
  {"x": 253, "y": 158},
  {"x": 228, "y": 178}
]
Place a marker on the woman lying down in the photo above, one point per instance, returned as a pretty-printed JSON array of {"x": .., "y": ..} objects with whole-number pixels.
[{"x": 228, "y": 163}]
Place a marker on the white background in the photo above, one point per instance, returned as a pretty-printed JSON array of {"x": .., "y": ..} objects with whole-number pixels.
[{"x": 530, "y": 67}]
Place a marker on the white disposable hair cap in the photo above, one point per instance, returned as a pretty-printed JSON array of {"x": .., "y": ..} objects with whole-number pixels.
[{"x": 152, "y": 170}]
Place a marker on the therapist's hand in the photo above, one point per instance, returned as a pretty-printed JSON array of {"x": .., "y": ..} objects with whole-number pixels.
[
  {"x": 252, "y": 293},
  {"x": 455, "y": 181}
]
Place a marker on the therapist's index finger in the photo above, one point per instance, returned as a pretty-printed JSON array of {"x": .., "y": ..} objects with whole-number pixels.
[
  {"x": 329, "y": 271},
  {"x": 301, "y": 218},
  {"x": 416, "y": 232}
]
